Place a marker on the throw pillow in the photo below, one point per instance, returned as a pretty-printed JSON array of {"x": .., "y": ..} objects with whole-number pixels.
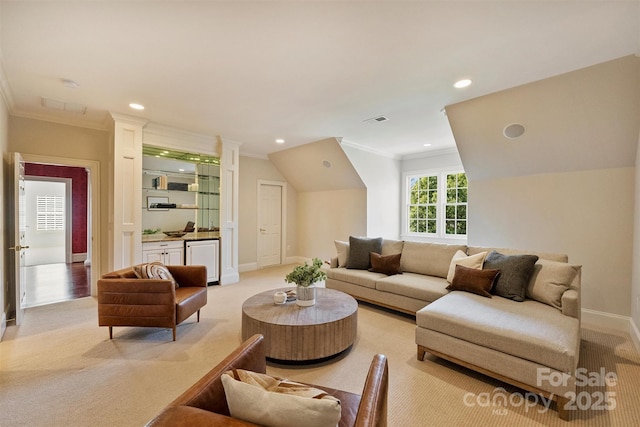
[
  {"x": 515, "y": 272},
  {"x": 359, "y": 250},
  {"x": 471, "y": 261},
  {"x": 343, "y": 252},
  {"x": 154, "y": 270},
  {"x": 473, "y": 280},
  {"x": 550, "y": 279},
  {"x": 276, "y": 402},
  {"x": 385, "y": 264}
]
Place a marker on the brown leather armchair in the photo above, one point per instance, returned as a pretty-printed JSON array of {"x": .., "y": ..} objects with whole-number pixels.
[
  {"x": 125, "y": 300},
  {"x": 205, "y": 404}
]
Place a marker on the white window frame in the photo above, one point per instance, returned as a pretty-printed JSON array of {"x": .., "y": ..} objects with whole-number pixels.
[
  {"x": 50, "y": 213},
  {"x": 440, "y": 235}
]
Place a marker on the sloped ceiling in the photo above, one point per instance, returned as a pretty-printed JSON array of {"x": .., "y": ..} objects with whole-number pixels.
[
  {"x": 586, "y": 119},
  {"x": 318, "y": 166}
]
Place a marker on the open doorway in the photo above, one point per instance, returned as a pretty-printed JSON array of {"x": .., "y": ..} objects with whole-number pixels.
[{"x": 57, "y": 264}]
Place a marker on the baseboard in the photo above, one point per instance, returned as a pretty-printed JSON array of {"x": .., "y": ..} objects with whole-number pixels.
[
  {"x": 78, "y": 257},
  {"x": 243, "y": 268},
  {"x": 635, "y": 334},
  {"x": 252, "y": 266},
  {"x": 606, "y": 320},
  {"x": 3, "y": 325}
]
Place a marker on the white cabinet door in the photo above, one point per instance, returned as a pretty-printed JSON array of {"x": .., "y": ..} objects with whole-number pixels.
[
  {"x": 153, "y": 255},
  {"x": 207, "y": 253},
  {"x": 168, "y": 253},
  {"x": 173, "y": 256}
]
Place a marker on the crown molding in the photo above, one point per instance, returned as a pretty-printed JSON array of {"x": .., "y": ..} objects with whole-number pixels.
[
  {"x": 432, "y": 153},
  {"x": 62, "y": 121},
  {"x": 160, "y": 135},
  {"x": 360, "y": 147}
]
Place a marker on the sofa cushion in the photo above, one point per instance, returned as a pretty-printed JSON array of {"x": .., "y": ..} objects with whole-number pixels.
[
  {"x": 342, "y": 248},
  {"x": 515, "y": 272},
  {"x": 277, "y": 402},
  {"x": 154, "y": 270},
  {"x": 473, "y": 280},
  {"x": 550, "y": 279},
  {"x": 529, "y": 329},
  {"x": 359, "y": 250},
  {"x": 471, "y": 261},
  {"x": 388, "y": 264},
  {"x": 412, "y": 285},
  {"x": 432, "y": 259},
  {"x": 391, "y": 247},
  {"x": 364, "y": 278},
  {"x": 471, "y": 250}
]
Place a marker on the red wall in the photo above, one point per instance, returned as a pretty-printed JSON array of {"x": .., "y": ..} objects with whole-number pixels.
[{"x": 79, "y": 179}]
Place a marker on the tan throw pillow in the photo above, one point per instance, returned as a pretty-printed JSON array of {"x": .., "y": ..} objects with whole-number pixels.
[
  {"x": 154, "y": 270},
  {"x": 550, "y": 279},
  {"x": 277, "y": 402},
  {"x": 471, "y": 261},
  {"x": 385, "y": 264},
  {"x": 472, "y": 280},
  {"x": 343, "y": 252}
]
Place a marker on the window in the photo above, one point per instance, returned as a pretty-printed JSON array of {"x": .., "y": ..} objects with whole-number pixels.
[
  {"x": 436, "y": 204},
  {"x": 50, "y": 212}
]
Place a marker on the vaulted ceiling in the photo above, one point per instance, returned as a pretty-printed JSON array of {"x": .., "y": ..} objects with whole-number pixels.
[{"x": 302, "y": 71}]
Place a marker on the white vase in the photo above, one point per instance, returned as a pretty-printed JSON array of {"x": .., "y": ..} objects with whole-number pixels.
[{"x": 306, "y": 295}]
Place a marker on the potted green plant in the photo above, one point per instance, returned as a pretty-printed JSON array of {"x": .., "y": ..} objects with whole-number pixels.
[{"x": 305, "y": 276}]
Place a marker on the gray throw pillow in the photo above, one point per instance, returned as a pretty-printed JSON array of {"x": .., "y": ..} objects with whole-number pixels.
[
  {"x": 359, "y": 250},
  {"x": 515, "y": 272}
]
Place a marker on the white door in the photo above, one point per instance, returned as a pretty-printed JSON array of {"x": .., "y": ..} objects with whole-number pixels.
[
  {"x": 20, "y": 246},
  {"x": 269, "y": 224}
]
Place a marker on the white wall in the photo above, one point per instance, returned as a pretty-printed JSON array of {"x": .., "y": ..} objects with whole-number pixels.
[
  {"x": 635, "y": 282},
  {"x": 254, "y": 169},
  {"x": 587, "y": 215},
  {"x": 381, "y": 175},
  {"x": 4, "y": 175},
  {"x": 325, "y": 216}
]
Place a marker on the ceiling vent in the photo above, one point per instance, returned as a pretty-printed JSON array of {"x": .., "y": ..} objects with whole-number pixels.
[
  {"x": 71, "y": 107},
  {"x": 376, "y": 119}
]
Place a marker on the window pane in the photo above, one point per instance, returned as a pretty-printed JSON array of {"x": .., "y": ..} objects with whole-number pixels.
[
  {"x": 433, "y": 196},
  {"x": 433, "y": 182},
  {"x": 451, "y": 196},
  {"x": 462, "y": 195},
  {"x": 461, "y": 227},
  {"x": 431, "y": 212},
  {"x": 422, "y": 226},
  {"x": 451, "y": 212},
  {"x": 462, "y": 180},
  {"x": 450, "y": 227},
  {"x": 461, "y": 212},
  {"x": 451, "y": 181},
  {"x": 413, "y": 212},
  {"x": 422, "y": 212},
  {"x": 432, "y": 226}
]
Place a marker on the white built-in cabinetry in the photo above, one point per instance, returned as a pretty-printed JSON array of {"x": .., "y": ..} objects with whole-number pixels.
[{"x": 168, "y": 253}]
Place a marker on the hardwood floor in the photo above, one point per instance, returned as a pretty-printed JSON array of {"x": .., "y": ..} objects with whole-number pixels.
[{"x": 49, "y": 283}]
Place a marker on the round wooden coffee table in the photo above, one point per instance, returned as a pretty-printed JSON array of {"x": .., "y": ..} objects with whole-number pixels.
[{"x": 295, "y": 333}]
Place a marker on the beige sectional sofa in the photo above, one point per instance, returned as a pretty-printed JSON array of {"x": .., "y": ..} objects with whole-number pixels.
[{"x": 533, "y": 344}]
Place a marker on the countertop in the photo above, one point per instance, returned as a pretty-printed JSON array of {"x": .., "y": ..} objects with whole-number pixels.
[{"x": 196, "y": 235}]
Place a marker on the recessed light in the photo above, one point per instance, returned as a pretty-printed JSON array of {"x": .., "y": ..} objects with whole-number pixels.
[
  {"x": 136, "y": 106},
  {"x": 462, "y": 83},
  {"x": 327, "y": 164},
  {"x": 279, "y": 141},
  {"x": 427, "y": 145}
]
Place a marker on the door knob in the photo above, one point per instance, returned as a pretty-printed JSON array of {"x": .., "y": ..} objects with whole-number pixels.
[{"x": 18, "y": 248}]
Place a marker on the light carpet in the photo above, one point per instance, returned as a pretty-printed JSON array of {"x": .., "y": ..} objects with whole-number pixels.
[{"x": 60, "y": 369}]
